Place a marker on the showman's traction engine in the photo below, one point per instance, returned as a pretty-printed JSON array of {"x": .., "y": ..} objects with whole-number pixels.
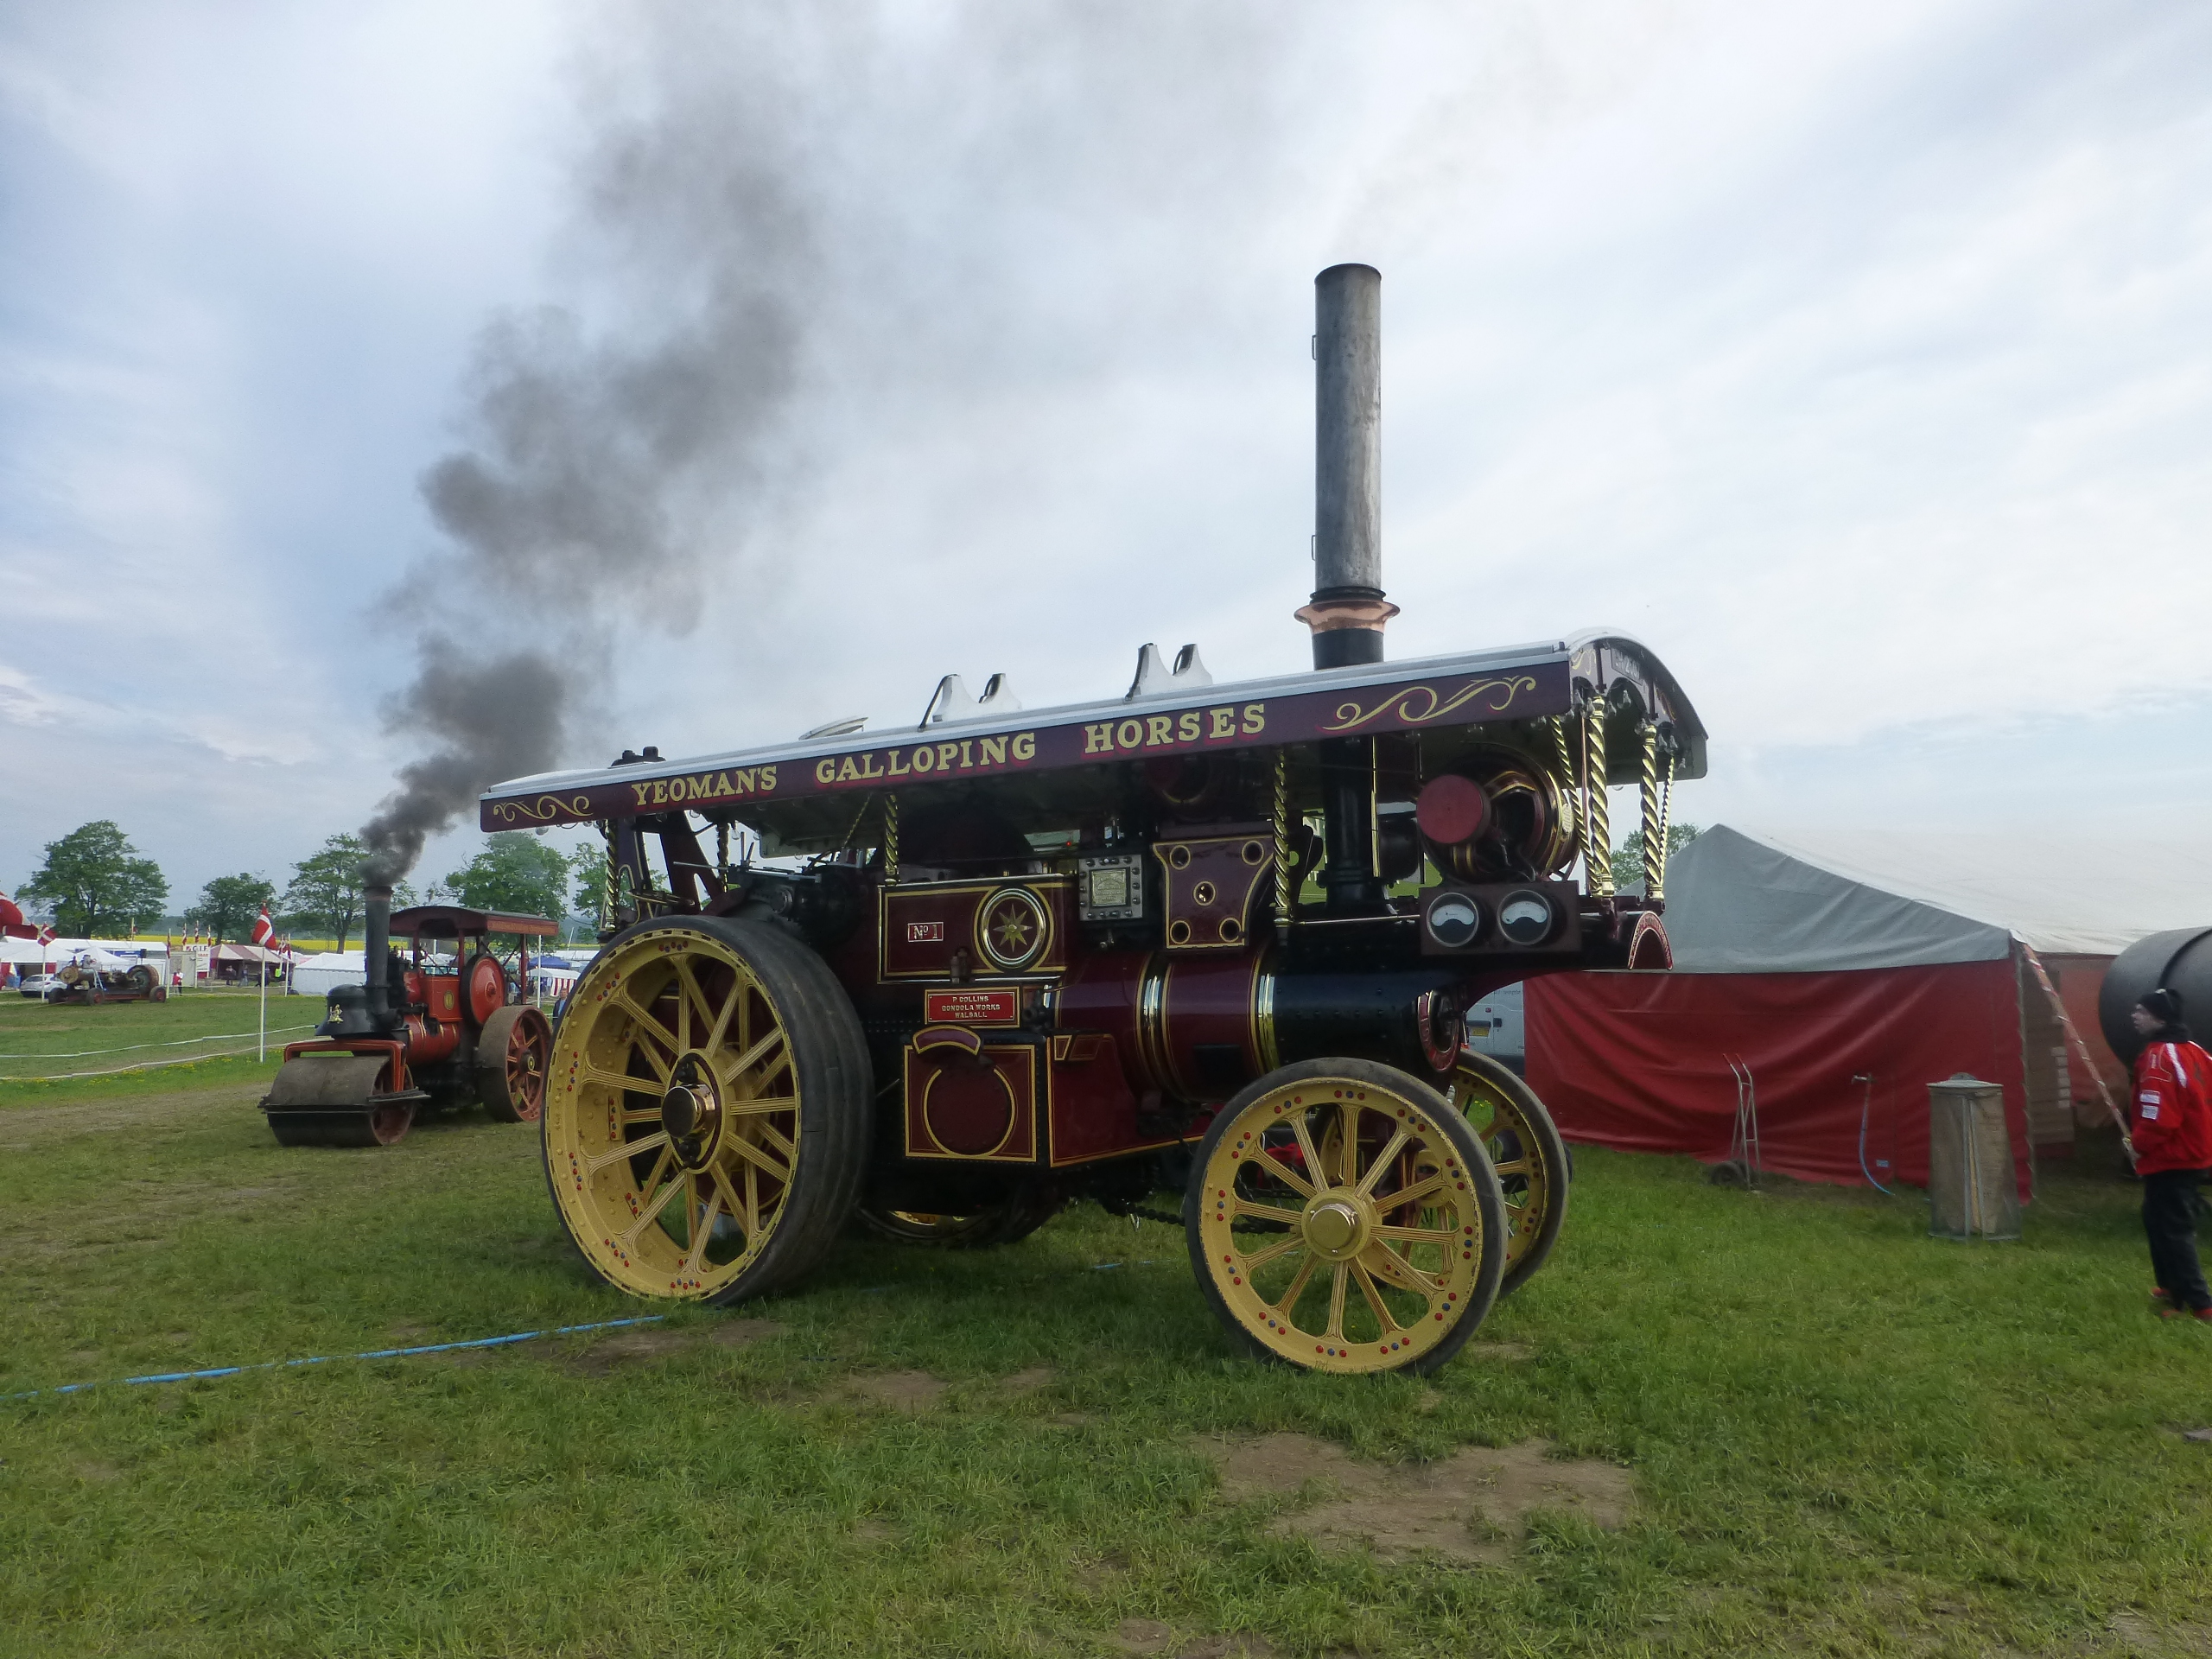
[{"x": 1217, "y": 935}]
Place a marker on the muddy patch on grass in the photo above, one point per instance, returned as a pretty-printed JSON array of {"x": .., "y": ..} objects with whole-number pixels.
[
  {"x": 1473, "y": 1506},
  {"x": 1149, "y": 1635},
  {"x": 911, "y": 1392},
  {"x": 1142, "y": 1636},
  {"x": 1507, "y": 1351},
  {"x": 611, "y": 1354},
  {"x": 2135, "y": 1633},
  {"x": 1021, "y": 1384}
]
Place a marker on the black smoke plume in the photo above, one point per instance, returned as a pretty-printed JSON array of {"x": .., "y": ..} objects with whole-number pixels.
[
  {"x": 490, "y": 719},
  {"x": 847, "y": 198},
  {"x": 602, "y": 466}
]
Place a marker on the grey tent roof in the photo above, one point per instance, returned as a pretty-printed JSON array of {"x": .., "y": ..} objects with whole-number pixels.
[
  {"x": 1744, "y": 903},
  {"x": 1739, "y": 905}
]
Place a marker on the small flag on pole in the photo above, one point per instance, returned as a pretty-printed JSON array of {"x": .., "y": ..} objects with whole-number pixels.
[{"x": 264, "y": 930}]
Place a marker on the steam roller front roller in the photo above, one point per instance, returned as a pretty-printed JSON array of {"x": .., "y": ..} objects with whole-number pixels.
[
  {"x": 1525, "y": 1148},
  {"x": 513, "y": 1057},
  {"x": 338, "y": 1100},
  {"x": 1344, "y": 1217},
  {"x": 706, "y": 1121}
]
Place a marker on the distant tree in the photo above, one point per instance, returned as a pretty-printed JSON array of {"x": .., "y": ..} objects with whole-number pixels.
[
  {"x": 228, "y": 904},
  {"x": 325, "y": 891},
  {"x": 1628, "y": 857},
  {"x": 515, "y": 872},
  {"x": 94, "y": 879}
]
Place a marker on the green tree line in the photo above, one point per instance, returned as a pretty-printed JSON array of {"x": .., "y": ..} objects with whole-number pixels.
[{"x": 94, "y": 883}]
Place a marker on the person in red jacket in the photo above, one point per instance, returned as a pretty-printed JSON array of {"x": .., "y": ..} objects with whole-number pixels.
[{"x": 2172, "y": 1134}]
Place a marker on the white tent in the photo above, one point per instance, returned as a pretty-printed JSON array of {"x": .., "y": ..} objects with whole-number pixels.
[
  {"x": 28, "y": 950},
  {"x": 317, "y": 976}
]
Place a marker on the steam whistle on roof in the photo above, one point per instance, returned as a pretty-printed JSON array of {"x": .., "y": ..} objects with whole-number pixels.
[
  {"x": 1155, "y": 678},
  {"x": 949, "y": 704}
]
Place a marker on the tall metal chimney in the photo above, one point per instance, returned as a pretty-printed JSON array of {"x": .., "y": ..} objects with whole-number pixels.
[{"x": 1348, "y": 611}]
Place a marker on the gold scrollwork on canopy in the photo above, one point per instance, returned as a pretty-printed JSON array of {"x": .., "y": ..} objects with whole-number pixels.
[
  {"x": 1406, "y": 703},
  {"x": 546, "y": 808}
]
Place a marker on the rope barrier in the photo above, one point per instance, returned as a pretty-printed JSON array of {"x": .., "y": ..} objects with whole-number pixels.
[
  {"x": 128, "y": 1048},
  {"x": 327, "y": 1359},
  {"x": 142, "y": 1065}
]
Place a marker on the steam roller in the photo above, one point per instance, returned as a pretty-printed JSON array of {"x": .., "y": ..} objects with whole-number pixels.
[{"x": 415, "y": 1035}]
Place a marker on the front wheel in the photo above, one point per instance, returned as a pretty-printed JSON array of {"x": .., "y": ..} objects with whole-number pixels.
[
  {"x": 1343, "y": 1216},
  {"x": 1525, "y": 1148},
  {"x": 706, "y": 1125}
]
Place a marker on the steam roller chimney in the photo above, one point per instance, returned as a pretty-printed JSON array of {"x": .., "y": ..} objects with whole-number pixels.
[
  {"x": 376, "y": 945},
  {"x": 1347, "y": 610}
]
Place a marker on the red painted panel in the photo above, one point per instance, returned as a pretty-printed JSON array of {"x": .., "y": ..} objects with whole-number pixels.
[
  {"x": 979, "y": 1109},
  {"x": 1094, "y": 1114}
]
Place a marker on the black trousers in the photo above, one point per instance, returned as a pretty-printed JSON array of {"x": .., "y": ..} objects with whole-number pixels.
[{"x": 2170, "y": 1223}]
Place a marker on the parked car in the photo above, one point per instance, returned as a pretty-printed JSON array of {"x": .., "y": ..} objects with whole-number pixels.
[{"x": 38, "y": 984}]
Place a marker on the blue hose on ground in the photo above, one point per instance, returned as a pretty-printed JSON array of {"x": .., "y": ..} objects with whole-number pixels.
[{"x": 325, "y": 1359}]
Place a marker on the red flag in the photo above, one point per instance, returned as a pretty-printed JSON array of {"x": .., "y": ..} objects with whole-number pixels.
[{"x": 263, "y": 930}]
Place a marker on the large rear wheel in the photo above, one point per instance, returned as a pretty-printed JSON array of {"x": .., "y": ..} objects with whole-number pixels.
[
  {"x": 1344, "y": 1218},
  {"x": 512, "y": 1057},
  {"x": 1534, "y": 1171},
  {"x": 706, "y": 1125}
]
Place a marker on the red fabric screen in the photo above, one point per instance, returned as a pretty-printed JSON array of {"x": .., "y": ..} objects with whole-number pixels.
[{"x": 1634, "y": 1061}]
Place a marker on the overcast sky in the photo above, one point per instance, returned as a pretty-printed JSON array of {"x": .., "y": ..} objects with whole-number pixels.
[{"x": 1857, "y": 358}]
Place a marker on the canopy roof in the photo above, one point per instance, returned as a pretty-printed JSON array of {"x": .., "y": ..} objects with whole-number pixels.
[
  {"x": 457, "y": 922},
  {"x": 1744, "y": 903},
  {"x": 806, "y": 792}
]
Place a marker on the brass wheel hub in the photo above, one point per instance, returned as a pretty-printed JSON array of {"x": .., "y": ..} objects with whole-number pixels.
[
  {"x": 691, "y": 1112},
  {"x": 1337, "y": 1224}
]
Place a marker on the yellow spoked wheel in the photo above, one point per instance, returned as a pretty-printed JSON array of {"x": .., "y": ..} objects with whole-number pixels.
[
  {"x": 1533, "y": 1169},
  {"x": 706, "y": 1122},
  {"x": 1342, "y": 1216}
]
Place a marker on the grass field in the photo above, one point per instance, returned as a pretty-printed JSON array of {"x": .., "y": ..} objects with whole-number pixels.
[
  {"x": 1843, "y": 1438},
  {"x": 166, "y": 1046}
]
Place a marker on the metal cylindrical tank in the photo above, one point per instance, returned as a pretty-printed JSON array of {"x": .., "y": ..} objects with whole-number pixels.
[
  {"x": 2180, "y": 961},
  {"x": 1972, "y": 1190}
]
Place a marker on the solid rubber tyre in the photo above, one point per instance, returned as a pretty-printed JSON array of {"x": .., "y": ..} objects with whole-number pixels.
[
  {"x": 1534, "y": 1170},
  {"x": 717, "y": 1061}
]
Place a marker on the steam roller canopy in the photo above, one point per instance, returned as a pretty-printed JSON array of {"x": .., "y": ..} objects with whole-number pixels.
[{"x": 332, "y": 1101}]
